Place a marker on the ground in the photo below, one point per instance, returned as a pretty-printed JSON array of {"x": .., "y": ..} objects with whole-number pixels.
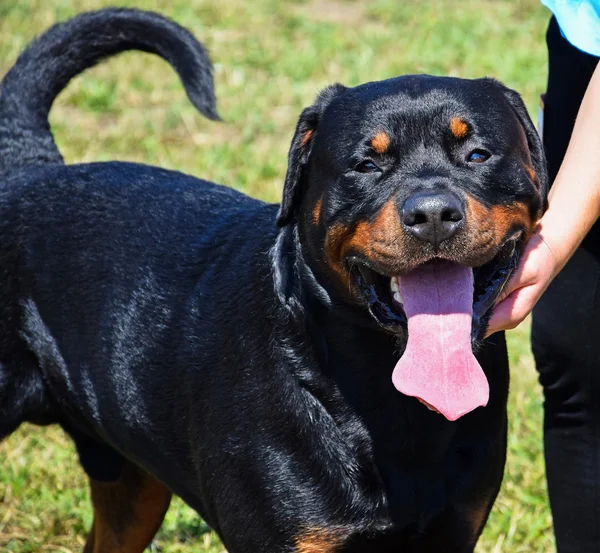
[{"x": 271, "y": 58}]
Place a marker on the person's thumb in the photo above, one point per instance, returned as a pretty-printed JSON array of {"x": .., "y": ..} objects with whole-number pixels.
[{"x": 512, "y": 310}]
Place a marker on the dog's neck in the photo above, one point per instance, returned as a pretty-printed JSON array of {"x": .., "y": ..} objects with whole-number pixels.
[
  {"x": 345, "y": 365},
  {"x": 337, "y": 331}
]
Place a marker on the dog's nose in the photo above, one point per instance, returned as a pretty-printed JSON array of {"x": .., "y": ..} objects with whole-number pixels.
[{"x": 433, "y": 217}]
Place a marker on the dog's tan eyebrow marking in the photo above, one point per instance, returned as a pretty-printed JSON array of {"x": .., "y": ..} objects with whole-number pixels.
[
  {"x": 458, "y": 127},
  {"x": 306, "y": 136},
  {"x": 380, "y": 142}
]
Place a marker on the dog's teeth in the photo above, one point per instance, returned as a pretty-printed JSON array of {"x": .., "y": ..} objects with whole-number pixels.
[{"x": 395, "y": 287}]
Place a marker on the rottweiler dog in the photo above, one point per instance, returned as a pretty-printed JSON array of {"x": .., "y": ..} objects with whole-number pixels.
[{"x": 301, "y": 374}]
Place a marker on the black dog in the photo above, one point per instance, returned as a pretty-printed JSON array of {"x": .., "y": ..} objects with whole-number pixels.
[{"x": 195, "y": 341}]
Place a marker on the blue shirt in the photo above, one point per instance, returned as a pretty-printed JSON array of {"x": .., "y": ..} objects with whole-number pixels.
[{"x": 579, "y": 21}]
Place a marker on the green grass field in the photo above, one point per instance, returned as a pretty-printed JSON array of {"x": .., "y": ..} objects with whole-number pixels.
[{"x": 271, "y": 58}]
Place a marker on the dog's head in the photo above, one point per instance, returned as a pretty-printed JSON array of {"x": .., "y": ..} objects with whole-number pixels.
[
  {"x": 388, "y": 176},
  {"x": 409, "y": 174}
]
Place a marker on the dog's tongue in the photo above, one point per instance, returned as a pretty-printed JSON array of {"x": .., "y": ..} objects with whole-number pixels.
[{"x": 438, "y": 366}]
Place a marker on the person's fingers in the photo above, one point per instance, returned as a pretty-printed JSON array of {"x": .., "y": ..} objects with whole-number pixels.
[
  {"x": 521, "y": 294},
  {"x": 515, "y": 282},
  {"x": 525, "y": 275},
  {"x": 525, "y": 287},
  {"x": 525, "y": 272},
  {"x": 513, "y": 310}
]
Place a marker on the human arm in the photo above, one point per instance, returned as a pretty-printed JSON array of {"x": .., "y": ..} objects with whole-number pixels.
[{"x": 574, "y": 206}]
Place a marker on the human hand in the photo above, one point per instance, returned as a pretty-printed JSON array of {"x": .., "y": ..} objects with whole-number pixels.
[
  {"x": 536, "y": 270},
  {"x": 576, "y": 195}
]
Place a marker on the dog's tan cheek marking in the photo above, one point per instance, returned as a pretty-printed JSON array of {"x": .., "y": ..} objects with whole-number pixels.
[
  {"x": 359, "y": 240},
  {"x": 458, "y": 127},
  {"x": 316, "y": 214},
  {"x": 509, "y": 216},
  {"x": 387, "y": 231},
  {"x": 339, "y": 240},
  {"x": 378, "y": 240},
  {"x": 384, "y": 228},
  {"x": 318, "y": 541},
  {"x": 334, "y": 240},
  {"x": 387, "y": 227},
  {"x": 477, "y": 213},
  {"x": 380, "y": 142},
  {"x": 306, "y": 136},
  {"x": 532, "y": 174},
  {"x": 497, "y": 221},
  {"x": 383, "y": 235}
]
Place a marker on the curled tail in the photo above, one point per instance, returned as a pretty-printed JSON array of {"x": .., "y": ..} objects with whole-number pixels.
[{"x": 67, "y": 49}]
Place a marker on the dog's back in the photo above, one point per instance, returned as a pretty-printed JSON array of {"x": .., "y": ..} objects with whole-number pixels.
[{"x": 26, "y": 96}]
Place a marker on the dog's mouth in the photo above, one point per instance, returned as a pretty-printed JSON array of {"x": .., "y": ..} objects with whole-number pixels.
[
  {"x": 439, "y": 310},
  {"x": 385, "y": 303}
]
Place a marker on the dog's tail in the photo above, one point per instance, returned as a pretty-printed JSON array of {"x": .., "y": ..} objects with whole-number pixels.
[{"x": 65, "y": 50}]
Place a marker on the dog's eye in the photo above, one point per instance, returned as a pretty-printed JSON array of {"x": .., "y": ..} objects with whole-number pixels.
[
  {"x": 478, "y": 156},
  {"x": 367, "y": 166}
]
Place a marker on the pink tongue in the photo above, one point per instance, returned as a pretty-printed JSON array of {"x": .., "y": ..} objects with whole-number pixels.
[{"x": 438, "y": 366}]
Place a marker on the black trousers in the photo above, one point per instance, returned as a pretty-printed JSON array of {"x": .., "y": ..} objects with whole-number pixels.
[{"x": 566, "y": 333}]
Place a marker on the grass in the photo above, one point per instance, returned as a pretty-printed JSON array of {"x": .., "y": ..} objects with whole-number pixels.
[{"x": 271, "y": 58}]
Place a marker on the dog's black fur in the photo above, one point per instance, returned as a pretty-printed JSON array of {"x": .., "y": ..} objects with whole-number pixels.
[{"x": 170, "y": 324}]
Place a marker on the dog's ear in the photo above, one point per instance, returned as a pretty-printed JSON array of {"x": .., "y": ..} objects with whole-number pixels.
[
  {"x": 300, "y": 149},
  {"x": 534, "y": 141}
]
